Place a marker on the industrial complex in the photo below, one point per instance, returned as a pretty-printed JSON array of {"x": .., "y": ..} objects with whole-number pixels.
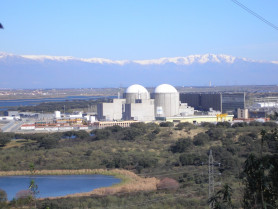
[
  {"x": 163, "y": 104},
  {"x": 137, "y": 104}
]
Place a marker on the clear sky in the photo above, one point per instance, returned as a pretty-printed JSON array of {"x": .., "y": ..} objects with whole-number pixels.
[{"x": 138, "y": 29}]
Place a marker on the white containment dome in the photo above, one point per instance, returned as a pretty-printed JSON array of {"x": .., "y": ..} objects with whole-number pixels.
[
  {"x": 166, "y": 101},
  {"x": 165, "y": 88},
  {"x": 135, "y": 92}
]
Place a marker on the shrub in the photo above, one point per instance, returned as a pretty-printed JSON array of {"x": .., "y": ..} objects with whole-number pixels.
[
  {"x": 255, "y": 123},
  {"x": 168, "y": 183},
  {"x": 215, "y": 134},
  {"x": 186, "y": 159},
  {"x": 208, "y": 125},
  {"x": 245, "y": 140},
  {"x": 147, "y": 161},
  {"x": 200, "y": 139},
  {"x": 5, "y": 138},
  {"x": 129, "y": 134},
  {"x": 241, "y": 124},
  {"x": 48, "y": 142},
  {"x": 186, "y": 125},
  {"x": 224, "y": 124},
  {"x": 3, "y": 196},
  {"x": 82, "y": 134},
  {"x": 166, "y": 124},
  {"x": 192, "y": 159},
  {"x": 139, "y": 126},
  {"x": 101, "y": 134},
  {"x": 23, "y": 194},
  {"x": 115, "y": 129},
  {"x": 270, "y": 124},
  {"x": 181, "y": 145}
]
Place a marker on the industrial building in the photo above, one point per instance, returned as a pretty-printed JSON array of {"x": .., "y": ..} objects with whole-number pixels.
[
  {"x": 198, "y": 119},
  {"x": 223, "y": 102},
  {"x": 138, "y": 105},
  {"x": 167, "y": 101}
]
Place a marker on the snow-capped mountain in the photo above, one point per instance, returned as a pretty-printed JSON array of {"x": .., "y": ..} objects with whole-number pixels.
[
  {"x": 201, "y": 59},
  {"x": 43, "y": 71}
]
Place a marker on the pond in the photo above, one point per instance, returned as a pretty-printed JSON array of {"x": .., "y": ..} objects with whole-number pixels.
[{"x": 56, "y": 185}]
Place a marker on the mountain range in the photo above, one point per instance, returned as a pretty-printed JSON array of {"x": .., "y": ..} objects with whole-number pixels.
[{"x": 42, "y": 71}]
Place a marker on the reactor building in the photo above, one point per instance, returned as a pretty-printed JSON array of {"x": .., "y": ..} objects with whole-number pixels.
[
  {"x": 138, "y": 104},
  {"x": 223, "y": 102}
]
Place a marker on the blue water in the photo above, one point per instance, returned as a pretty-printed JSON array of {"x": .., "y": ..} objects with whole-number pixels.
[
  {"x": 31, "y": 102},
  {"x": 54, "y": 186}
]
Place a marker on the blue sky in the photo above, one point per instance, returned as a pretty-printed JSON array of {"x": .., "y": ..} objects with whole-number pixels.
[{"x": 138, "y": 29}]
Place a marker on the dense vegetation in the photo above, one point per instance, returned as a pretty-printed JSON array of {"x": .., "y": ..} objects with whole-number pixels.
[{"x": 179, "y": 152}]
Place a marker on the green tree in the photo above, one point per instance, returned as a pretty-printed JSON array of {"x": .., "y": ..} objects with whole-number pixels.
[
  {"x": 260, "y": 177},
  {"x": 222, "y": 199},
  {"x": 3, "y": 199},
  {"x": 181, "y": 145},
  {"x": 166, "y": 124},
  {"x": 200, "y": 139}
]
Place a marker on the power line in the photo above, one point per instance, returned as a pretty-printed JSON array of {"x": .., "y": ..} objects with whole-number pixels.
[{"x": 255, "y": 14}]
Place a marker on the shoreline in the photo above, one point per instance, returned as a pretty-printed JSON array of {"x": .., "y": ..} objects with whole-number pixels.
[{"x": 130, "y": 182}]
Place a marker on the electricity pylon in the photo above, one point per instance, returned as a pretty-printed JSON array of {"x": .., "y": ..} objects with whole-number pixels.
[{"x": 211, "y": 175}]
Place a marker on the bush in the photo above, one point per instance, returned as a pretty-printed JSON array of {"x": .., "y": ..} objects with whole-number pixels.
[
  {"x": 245, "y": 140},
  {"x": 208, "y": 125},
  {"x": 115, "y": 129},
  {"x": 168, "y": 183},
  {"x": 181, "y": 145},
  {"x": 3, "y": 196},
  {"x": 200, "y": 139},
  {"x": 215, "y": 134},
  {"x": 101, "y": 134},
  {"x": 166, "y": 124},
  {"x": 185, "y": 125},
  {"x": 224, "y": 124},
  {"x": 5, "y": 138},
  {"x": 186, "y": 159},
  {"x": 22, "y": 194},
  {"x": 129, "y": 134},
  {"x": 192, "y": 159},
  {"x": 48, "y": 142},
  {"x": 241, "y": 124},
  {"x": 270, "y": 124},
  {"x": 4, "y": 141},
  {"x": 255, "y": 123},
  {"x": 147, "y": 162},
  {"x": 82, "y": 134},
  {"x": 142, "y": 127}
]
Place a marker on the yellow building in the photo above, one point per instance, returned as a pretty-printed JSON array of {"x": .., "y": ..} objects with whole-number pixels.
[
  {"x": 104, "y": 124},
  {"x": 197, "y": 119}
]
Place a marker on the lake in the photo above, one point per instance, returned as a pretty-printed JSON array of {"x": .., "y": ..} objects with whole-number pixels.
[
  {"x": 4, "y": 104},
  {"x": 56, "y": 185}
]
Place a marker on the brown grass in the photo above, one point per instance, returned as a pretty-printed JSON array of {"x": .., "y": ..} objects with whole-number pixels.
[
  {"x": 17, "y": 143},
  {"x": 130, "y": 181}
]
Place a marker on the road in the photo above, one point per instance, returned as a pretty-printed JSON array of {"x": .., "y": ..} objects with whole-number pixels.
[{"x": 12, "y": 126}]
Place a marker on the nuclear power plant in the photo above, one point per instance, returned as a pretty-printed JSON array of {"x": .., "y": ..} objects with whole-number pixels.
[{"x": 139, "y": 105}]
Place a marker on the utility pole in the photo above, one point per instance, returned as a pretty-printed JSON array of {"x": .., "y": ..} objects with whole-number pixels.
[{"x": 211, "y": 175}]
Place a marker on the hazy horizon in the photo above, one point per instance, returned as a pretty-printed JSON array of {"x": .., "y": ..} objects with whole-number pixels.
[{"x": 138, "y": 30}]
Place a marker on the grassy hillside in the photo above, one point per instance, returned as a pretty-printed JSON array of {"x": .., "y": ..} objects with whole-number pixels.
[{"x": 179, "y": 152}]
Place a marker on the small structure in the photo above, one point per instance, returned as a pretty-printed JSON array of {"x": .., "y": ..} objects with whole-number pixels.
[
  {"x": 104, "y": 124},
  {"x": 242, "y": 113},
  {"x": 198, "y": 119}
]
